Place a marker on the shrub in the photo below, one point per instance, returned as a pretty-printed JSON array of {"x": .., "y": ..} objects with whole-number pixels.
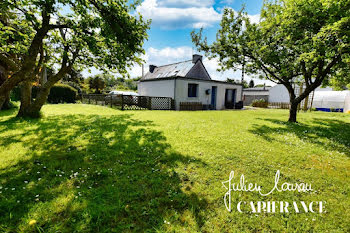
[
  {"x": 62, "y": 93},
  {"x": 15, "y": 94},
  {"x": 59, "y": 93},
  {"x": 261, "y": 103}
]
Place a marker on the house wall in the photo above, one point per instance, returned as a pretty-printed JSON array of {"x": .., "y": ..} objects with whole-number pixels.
[
  {"x": 182, "y": 92},
  {"x": 165, "y": 88},
  {"x": 159, "y": 88}
]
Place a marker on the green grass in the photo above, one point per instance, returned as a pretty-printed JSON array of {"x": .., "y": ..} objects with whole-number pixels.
[{"x": 88, "y": 168}]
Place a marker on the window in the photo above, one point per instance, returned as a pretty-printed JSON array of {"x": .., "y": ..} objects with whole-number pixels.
[{"x": 192, "y": 90}]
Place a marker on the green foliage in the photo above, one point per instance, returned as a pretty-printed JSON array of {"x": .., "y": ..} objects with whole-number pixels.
[
  {"x": 260, "y": 103},
  {"x": 62, "y": 93},
  {"x": 251, "y": 83},
  {"x": 100, "y": 34},
  {"x": 96, "y": 83},
  {"x": 88, "y": 168},
  {"x": 233, "y": 81}
]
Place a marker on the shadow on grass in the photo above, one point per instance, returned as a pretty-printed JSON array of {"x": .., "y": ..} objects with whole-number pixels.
[
  {"x": 92, "y": 173},
  {"x": 331, "y": 134}
]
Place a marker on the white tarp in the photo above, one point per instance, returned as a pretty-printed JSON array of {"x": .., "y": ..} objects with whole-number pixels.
[{"x": 332, "y": 99}]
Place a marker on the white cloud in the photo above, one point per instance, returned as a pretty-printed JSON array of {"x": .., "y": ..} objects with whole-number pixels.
[
  {"x": 176, "y": 14},
  {"x": 170, "y": 14},
  {"x": 185, "y": 3}
]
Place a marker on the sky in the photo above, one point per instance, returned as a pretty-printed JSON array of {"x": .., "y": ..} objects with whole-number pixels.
[{"x": 172, "y": 22}]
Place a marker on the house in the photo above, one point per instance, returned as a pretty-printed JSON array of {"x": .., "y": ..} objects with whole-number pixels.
[
  {"x": 190, "y": 85},
  {"x": 255, "y": 93}
]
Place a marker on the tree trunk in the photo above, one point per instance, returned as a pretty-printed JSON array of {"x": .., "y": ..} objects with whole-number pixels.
[
  {"x": 293, "y": 112},
  {"x": 2, "y": 101},
  {"x": 33, "y": 110},
  {"x": 7, "y": 102},
  {"x": 26, "y": 98}
]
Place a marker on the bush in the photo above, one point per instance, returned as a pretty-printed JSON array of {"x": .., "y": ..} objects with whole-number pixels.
[
  {"x": 15, "y": 94},
  {"x": 62, "y": 93},
  {"x": 59, "y": 93},
  {"x": 261, "y": 103}
]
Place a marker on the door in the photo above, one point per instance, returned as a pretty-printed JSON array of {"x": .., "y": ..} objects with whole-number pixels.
[
  {"x": 230, "y": 98},
  {"x": 213, "y": 97}
]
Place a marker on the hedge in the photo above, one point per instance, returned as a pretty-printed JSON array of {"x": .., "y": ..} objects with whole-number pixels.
[
  {"x": 59, "y": 93},
  {"x": 261, "y": 103},
  {"x": 62, "y": 93}
]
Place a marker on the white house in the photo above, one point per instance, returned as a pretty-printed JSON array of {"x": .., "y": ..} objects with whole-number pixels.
[{"x": 189, "y": 83}]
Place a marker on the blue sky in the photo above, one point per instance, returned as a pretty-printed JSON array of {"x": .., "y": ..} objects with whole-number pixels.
[{"x": 173, "y": 20}]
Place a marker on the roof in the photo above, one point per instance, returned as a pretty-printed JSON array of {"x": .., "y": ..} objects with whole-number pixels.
[
  {"x": 257, "y": 89},
  {"x": 189, "y": 78},
  {"x": 181, "y": 69}
]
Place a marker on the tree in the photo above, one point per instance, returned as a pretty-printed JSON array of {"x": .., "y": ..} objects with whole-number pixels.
[
  {"x": 296, "y": 42},
  {"x": 92, "y": 33},
  {"x": 251, "y": 83},
  {"x": 97, "y": 83},
  {"x": 233, "y": 81}
]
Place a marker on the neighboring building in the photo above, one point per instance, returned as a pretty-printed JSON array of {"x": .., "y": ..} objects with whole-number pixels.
[
  {"x": 255, "y": 93},
  {"x": 189, "y": 83},
  {"x": 332, "y": 101},
  {"x": 280, "y": 94}
]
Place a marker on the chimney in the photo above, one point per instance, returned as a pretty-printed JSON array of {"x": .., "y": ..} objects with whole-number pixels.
[
  {"x": 196, "y": 57},
  {"x": 151, "y": 68}
]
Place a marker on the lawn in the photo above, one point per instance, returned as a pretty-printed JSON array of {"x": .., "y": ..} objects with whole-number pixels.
[{"x": 88, "y": 168}]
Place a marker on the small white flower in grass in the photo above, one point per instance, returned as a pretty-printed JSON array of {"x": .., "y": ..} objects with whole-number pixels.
[
  {"x": 37, "y": 195},
  {"x": 38, "y": 172},
  {"x": 13, "y": 189},
  {"x": 26, "y": 181},
  {"x": 39, "y": 179},
  {"x": 0, "y": 187},
  {"x": 78, "y": 187},
  {"x": 18, "y": 201}
]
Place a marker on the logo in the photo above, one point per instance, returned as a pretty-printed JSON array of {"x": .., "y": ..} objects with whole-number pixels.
[{"x": 270, "y": 206}]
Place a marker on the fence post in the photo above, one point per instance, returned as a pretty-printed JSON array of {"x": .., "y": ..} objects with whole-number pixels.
[
  {"x": 122, "y": 102},
  {"x": 149, "y": 103},
  {"x": 111, "y": 101},
  {"x": 89, "y": 98}
]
